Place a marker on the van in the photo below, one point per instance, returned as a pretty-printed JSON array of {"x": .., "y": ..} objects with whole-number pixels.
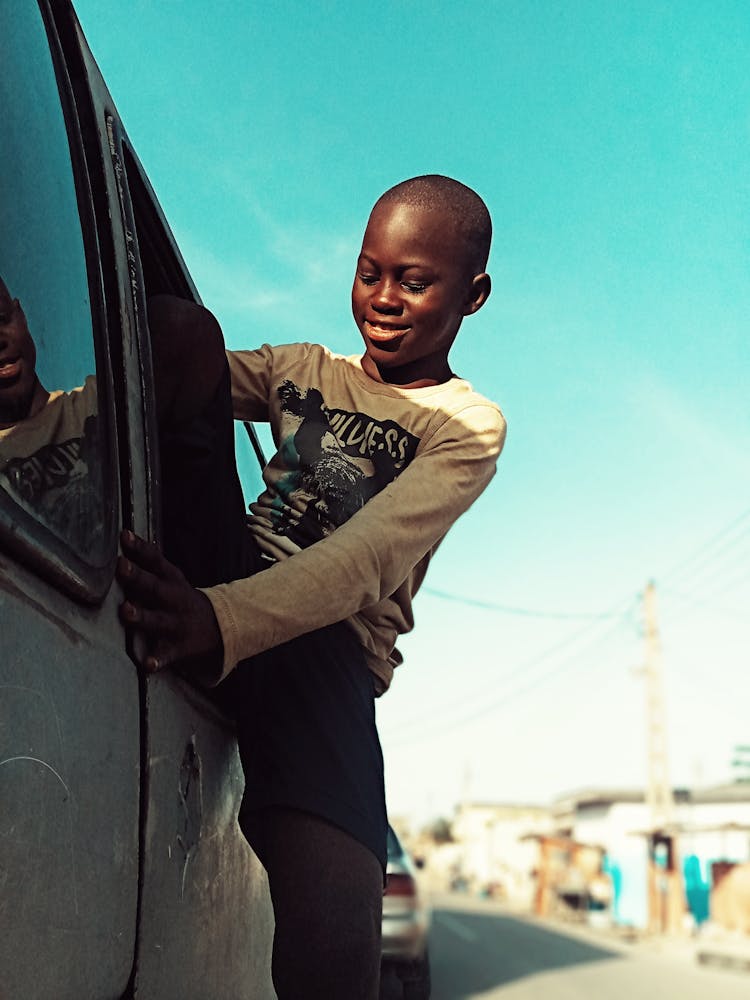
[{"x": 123, "y": 873}]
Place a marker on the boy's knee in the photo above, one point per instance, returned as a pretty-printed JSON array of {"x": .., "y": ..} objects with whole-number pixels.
[{"x": 328, "y": 957}]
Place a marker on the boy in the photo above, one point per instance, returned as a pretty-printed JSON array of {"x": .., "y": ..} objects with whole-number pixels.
[
  {"x": 48, "y": 440},
  {"x": 377, "y": 456}
]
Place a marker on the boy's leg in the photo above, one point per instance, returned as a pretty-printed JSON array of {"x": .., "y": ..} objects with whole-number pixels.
[
  {"x": 314, "y": 809},
  {"x": 203, "y": 511},
  {"x": 204, "y": 527},
  {"x": 327, "y": 893}
]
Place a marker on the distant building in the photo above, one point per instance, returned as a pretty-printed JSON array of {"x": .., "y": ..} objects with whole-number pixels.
[
  {"x": 495, "y": 856},
  {"x": 710, "y": 832}
]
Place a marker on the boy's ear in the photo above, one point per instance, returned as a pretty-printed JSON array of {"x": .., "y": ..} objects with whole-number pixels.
[{"x": 481, "y": 286}]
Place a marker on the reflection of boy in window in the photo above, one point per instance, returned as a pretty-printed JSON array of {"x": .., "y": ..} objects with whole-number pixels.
[{"x": 46, "y": 438}]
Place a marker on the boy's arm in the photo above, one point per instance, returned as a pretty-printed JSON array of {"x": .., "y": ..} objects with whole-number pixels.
[
  {"x": 362, "y": 562},
  {"x": 370, "y": 555}
]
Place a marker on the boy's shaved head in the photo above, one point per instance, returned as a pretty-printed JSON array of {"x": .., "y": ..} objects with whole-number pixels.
[
  {"x": 463, "y": 207},
  {"x": 420, "y": 272}
]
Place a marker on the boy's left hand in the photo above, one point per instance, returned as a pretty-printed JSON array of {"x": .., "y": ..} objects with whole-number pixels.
[{"x": 178, "y": 620}]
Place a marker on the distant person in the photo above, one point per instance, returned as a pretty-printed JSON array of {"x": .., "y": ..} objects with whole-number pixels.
[
  {"x": 376, "y": 457},
  {"x": 48, "y": 460}
]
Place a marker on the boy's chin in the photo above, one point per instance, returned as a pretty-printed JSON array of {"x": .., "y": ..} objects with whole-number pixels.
[
  {"x": 384, "y": 362},
  {"x": 386, "y": 348},
  {"x": 384, "y": 359}
]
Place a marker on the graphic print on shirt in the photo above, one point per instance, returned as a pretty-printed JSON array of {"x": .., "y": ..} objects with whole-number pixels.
[
  {"x": 59, "y": 484},
  {"x": 334, "y": 462}
]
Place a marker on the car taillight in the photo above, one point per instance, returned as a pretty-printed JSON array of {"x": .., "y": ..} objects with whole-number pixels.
[{"x": 400, "y": 884}]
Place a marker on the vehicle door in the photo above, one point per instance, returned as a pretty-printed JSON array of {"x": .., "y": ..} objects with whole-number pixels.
[
  {"x": 205, "y": 925},
  {"x": 70, "y": 736},
  {"x": 122, "y": 867}
]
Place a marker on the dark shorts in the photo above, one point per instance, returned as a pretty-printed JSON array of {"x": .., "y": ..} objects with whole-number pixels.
[
  {"x": 306, "y": 729},
  {"x": 305, "y": 710}
]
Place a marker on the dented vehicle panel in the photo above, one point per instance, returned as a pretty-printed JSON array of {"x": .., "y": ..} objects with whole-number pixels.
[{"x": 123, "y": 873}]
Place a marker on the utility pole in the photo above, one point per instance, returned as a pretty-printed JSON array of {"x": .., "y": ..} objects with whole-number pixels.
[
  {"x": 659, "y": 797},
  {"x": 666, "y": 897}
]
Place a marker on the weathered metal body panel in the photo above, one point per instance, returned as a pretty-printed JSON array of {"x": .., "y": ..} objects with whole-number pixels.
[
  {"x": 203, "y": 888},
  {"x": 69, "y": 780}
]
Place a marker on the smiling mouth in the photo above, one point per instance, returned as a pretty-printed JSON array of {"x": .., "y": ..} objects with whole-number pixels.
[
  {"x": 384, "y": 333},
  {"x": 10, "y": 370}
]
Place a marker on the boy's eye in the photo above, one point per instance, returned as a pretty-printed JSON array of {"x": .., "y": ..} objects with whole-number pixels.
[
  {"x": 415, "y": 286},
  {"x": 367, "y": 279}
]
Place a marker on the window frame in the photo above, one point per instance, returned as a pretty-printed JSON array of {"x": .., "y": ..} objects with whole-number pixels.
[{"x": 156, "y": 251}]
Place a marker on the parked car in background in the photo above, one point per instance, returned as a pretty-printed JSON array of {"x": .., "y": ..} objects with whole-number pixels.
[{"x": 406, "y": 923}]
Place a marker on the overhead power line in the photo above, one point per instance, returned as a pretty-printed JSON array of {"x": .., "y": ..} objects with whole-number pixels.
[
  {"x": 710, "y": 602},
  {"x": 463, "y": 714},
  {"x": 509, "y": 609},
  {"x": 709, "y": 550}
]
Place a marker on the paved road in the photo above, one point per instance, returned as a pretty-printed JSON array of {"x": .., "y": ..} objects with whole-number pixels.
[{"x": 481, "y": 951}]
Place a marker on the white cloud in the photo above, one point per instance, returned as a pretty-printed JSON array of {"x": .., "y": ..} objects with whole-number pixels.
[{"x": 298, "y": 290}]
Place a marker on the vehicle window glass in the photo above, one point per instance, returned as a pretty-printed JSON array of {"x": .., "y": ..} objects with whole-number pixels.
[{"x": 50, "y": 433}]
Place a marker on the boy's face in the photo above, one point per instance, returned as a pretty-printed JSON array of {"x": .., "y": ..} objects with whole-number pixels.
[
  {"x": 412, "y": 289},
  {"x": 17, "y": 361}
]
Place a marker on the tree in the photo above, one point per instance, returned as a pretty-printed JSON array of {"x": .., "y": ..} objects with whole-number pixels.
[{"x": 439, "y": 830}]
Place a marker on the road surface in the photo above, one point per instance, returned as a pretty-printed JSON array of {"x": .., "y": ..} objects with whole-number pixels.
[{"x": 481, "y": 951}]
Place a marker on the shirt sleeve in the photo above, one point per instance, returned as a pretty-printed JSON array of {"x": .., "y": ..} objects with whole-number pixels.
[
  {"x": 371, "y": 554},
  {"x": 251, "y": 373}
]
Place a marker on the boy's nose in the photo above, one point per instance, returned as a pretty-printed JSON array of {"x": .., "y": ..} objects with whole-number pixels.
[{"x": 386, "y": 297}]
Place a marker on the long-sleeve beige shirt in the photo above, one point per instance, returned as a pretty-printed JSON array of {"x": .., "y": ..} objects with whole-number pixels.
[{"x": 366, "y": 480}]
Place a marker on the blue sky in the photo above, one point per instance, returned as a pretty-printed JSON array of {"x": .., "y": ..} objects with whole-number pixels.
[{"x": 612, "y": 145}]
